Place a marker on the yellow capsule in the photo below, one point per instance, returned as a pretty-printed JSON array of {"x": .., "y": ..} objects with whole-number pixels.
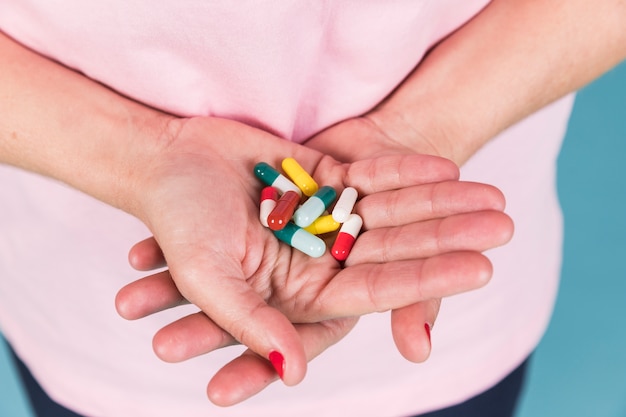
[
  {"x": 323, "y": 224},
  {"x": 299, "y": 176}
]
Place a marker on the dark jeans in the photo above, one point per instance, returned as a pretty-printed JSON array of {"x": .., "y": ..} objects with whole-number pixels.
[
  {"x": 42, "y": 405},
  {"x": 499, "y": 401}
]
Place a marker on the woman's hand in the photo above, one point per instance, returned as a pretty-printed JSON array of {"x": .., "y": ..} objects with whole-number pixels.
[
  {"x": 379, "y": 135},
  {"x": 221, "y": 258}
]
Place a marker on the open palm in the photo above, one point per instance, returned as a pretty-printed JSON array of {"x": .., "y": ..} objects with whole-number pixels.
[{"x": 203, "y": 211}]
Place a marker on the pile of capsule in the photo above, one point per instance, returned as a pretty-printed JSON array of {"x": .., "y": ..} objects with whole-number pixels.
[{"x": 298, "y": 225}]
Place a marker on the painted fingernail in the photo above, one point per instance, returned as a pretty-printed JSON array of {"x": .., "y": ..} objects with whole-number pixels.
[
  {"x": 278, "y": 362},
  {"x": 427, "y": 328}
]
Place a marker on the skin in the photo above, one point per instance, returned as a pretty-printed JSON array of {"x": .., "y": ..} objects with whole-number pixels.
[
  {"x": 439, "y": 252},
  {"x": 149, "y": 176},
  {"x": 167, "y": 172},
  {"x": 512, "y": 59}
]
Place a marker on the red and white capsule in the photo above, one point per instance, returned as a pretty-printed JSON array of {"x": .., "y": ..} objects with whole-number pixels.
[
  {"x": 345, "y": 204},
  {"x": 269, "y": 197},
  {"x": 346, "y": 237}
]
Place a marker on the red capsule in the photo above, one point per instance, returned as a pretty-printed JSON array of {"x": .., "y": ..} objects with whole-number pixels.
[
  {"x": 282, "y": 213},
  {"x": 346, "y": 237},
  {"x": 342, "y": 246}
]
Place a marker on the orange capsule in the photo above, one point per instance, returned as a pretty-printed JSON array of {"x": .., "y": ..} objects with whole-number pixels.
[{"x": 282, "y": 213}]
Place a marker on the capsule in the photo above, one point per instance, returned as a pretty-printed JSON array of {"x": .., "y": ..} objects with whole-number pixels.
[
  {"x": 346, "y": 237},
  {"x": 282, "y": 213},
  {"x": 269, "y": 176},
  {"x": 323, "y": 224},
  {"x": 345, "y": 204},
  {"x": 302, "y": 240},
  {"x": 299, "y": 176},
  {"x": 314, "y": 206},
  {"x": 269, "y": 197}
]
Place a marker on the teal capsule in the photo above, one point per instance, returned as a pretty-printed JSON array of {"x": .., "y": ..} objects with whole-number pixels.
[
  {"x": 302, "y": 240},
  {"x": 314, "y": 206},
  {"x": 269, "y": 176}
]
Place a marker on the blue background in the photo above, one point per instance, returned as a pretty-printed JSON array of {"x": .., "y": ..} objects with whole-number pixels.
[{"x": 579, "y": 369}]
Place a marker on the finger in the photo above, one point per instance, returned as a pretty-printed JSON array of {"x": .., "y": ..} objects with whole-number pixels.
[
  {"x": 197, "y": 334},
  {"x": 146, "y": 255},
  {"x": 477, "y": 231},
  {"x": 411, "y": 327},
  {"x": 383, "y": 173},
  {"x": 229, "y": 300},
  {"x": 428, "y": 201},
  {"x": 367, "y": 288},
  {"x": 147, "y": 296},
  {"x": 188, "y": 337},
  {"x": 249, "y": 373},
  {"x": 240, "y": 379},
  {"x": 398, "y": 171}
]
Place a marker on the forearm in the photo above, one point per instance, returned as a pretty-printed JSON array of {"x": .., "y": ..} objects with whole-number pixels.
[
  {"x": 60, "y": 124},
  {"x": 509, "y": 61}
]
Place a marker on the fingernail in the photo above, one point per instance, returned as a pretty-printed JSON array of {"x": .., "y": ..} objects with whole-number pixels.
[
  {"x": 427, "y": 328},
  {"x": 278, "y": 362}
]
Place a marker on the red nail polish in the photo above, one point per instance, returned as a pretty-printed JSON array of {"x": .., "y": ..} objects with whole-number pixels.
[
  {"x": 278, "y": 362},
  {"x": 427, "y": 328}
]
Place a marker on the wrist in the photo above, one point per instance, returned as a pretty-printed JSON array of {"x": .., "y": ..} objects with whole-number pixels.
[
  {"x": 60, "y": 124},
  {"x": 142, "y": 137}
]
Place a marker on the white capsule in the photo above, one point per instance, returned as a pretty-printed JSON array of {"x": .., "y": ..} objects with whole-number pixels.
[{"x": 345, "y": 204}]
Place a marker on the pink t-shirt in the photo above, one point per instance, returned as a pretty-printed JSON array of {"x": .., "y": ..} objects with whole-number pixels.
[{"x": 292, "y": 68}]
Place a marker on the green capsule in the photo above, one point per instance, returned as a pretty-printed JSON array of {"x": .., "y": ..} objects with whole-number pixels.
[
  {"x": 315, "y": 206},
  {"x": 302, "y": 240},
  {"x": 269, "y": 176}
]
